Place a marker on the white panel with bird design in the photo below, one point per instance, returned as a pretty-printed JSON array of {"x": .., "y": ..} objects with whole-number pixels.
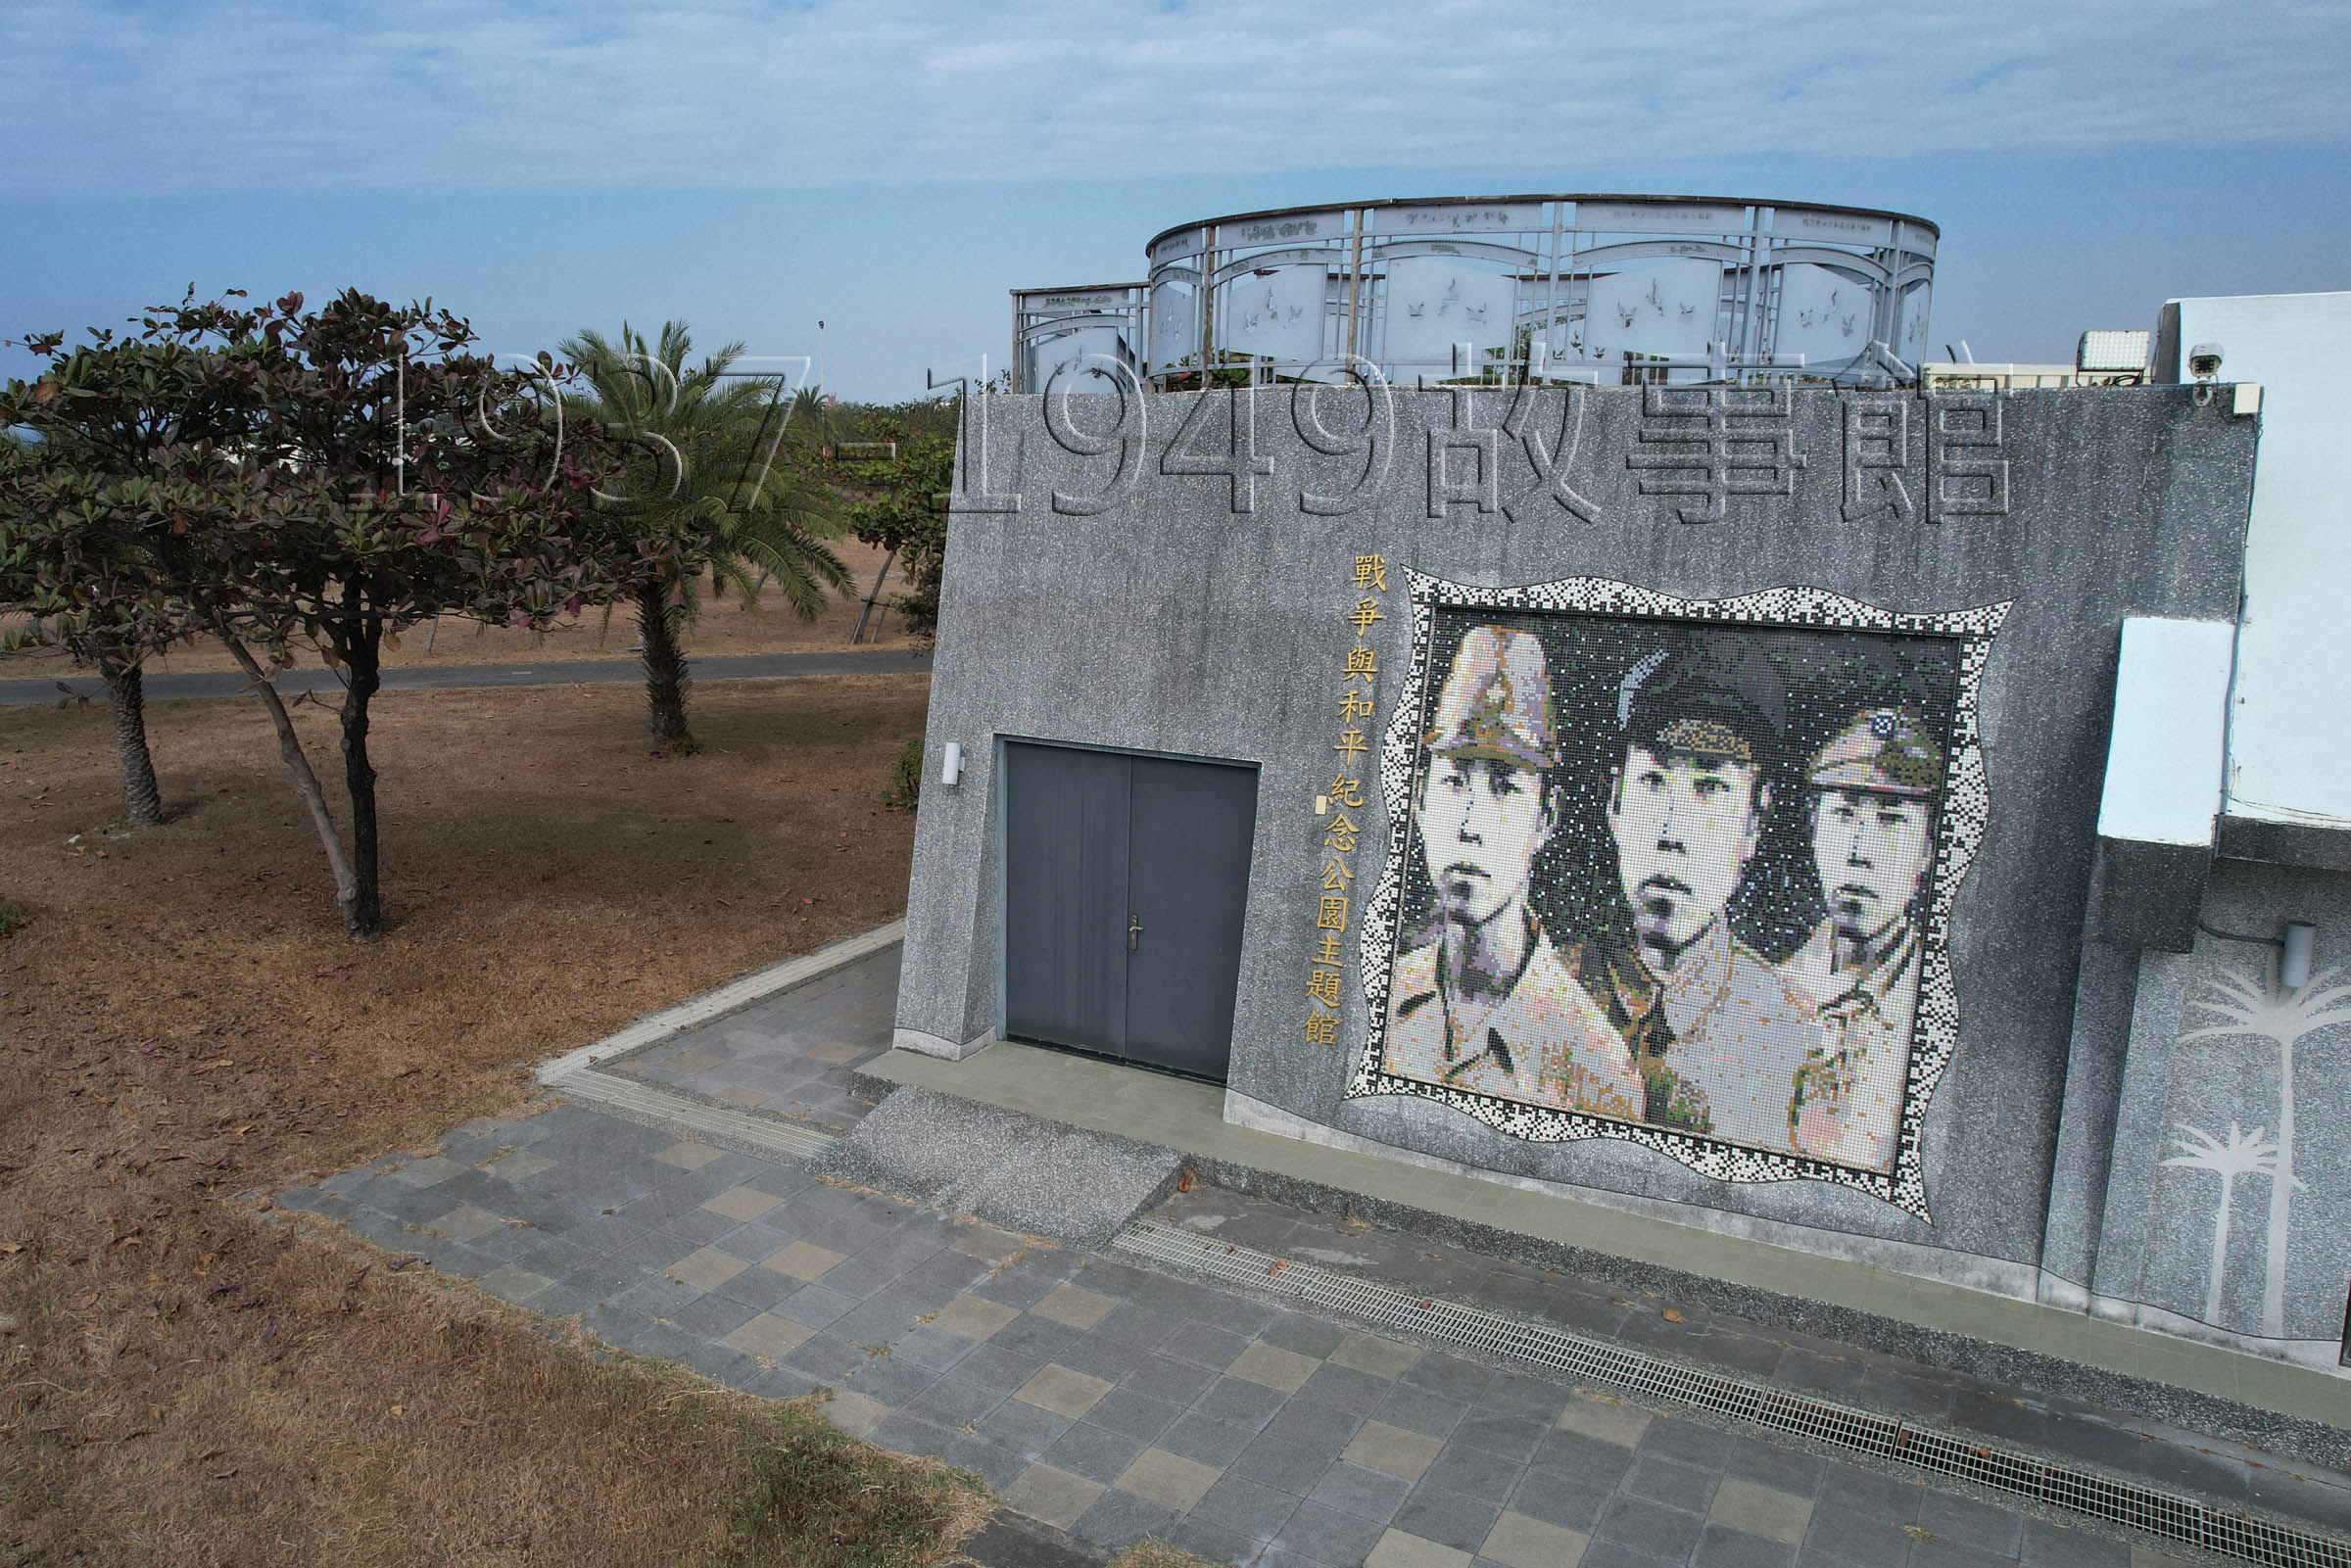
[
  {"x": 1435, "y": 302},
  {"x": 1664, "y": 307},
  {"x": 1824, "y": 315}
]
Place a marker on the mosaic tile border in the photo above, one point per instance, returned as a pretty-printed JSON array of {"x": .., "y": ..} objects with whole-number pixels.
[{"x": 1958, "y": 833}]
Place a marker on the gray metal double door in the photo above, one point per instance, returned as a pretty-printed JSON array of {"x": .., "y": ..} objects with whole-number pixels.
[{"x": 1126, "y": 878}]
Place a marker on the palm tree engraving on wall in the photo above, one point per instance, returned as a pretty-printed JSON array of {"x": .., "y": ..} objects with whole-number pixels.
[
  {"x": 2241, "y": 1154},
  {"x": 2247, "y": 1008}
]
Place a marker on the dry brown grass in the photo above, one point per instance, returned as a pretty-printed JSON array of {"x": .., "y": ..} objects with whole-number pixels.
[
  {"x": 181, "y": 1023},
  {"x": 725, "y": 629},
  {"x": 1152, "y": 1553}
]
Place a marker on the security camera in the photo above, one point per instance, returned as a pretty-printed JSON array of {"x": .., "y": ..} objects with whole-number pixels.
[{"x": 2204, "y": 360}]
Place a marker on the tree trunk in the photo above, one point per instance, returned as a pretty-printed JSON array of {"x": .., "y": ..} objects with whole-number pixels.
[
  {"x": 665, "y": 676},
  {"x": 364, "y": 659},
  {"x": 858, "y": 634},
  {"x": 125, "y": 692},
  {"x": 306, "y": 783}
]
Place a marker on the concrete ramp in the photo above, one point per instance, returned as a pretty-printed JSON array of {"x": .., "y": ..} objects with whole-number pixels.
[{"x": 1022, "y": 1173}]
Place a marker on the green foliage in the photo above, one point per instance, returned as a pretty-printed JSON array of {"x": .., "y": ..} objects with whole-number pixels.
[
  {"x": 905, "y": 790},
  {"x": 1230, "y": 370},
  {"x": 293, "y": 480},
  {"x": 288, "y": 479},
  {"x": 14, "y": 916},
  {"x": 100, "y": 429},
  {"x": 706, "y": 480},
  {"x": 901, "y": 503}
]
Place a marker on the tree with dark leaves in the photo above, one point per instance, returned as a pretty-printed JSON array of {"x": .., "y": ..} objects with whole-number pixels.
[
  {"x": 376, "y": 473},
  {"x": 100, "y": 426}
]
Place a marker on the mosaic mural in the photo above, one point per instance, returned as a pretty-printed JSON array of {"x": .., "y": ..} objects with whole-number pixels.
[{"x": 1679, "y": 872}]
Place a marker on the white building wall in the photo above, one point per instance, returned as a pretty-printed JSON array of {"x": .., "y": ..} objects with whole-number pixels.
[{"x": 2290, "y": 724}]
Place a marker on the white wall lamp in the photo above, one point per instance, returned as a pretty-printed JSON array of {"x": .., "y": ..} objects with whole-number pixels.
[
  {"x": 2293, "y": 961},
  {"x": 950, "y": 765},
  {"x": 2294, "y": 950}
]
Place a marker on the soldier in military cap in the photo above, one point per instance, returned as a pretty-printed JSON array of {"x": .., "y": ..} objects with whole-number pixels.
[
  {"x": 1717, "y": 1035},
  {"x": 1482, "y": 1001},
  {"x": 1875, "y": 786}
]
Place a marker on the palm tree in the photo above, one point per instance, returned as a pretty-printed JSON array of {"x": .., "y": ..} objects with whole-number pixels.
[
  {"x": 811, "y": 424},
  {"x": 2247, "y": 1007},
  {"x": 2242, "y": 1155},
  {"x": 707, "y": 490}
]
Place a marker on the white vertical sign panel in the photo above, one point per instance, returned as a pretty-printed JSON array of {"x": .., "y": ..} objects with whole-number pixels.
[
  {"x": 2164, "y": 751},
  {"x": 1435, "y": 301},
  {"x": 1175, "y": 330},
  {"x": 1277, "y": 313},
  {"x": 1824, "y": 315},
  {"x": 2289, "y": 733},
  {"x": 1665, "y": 307},
  {"x": 1087, "y": 351}
]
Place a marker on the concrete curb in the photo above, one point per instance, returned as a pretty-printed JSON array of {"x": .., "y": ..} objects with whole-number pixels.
[
  {"x": 652, "y": 1028},
  {"x": 2289, "y": 1435},
  {"x": 583, "y": 1073}
]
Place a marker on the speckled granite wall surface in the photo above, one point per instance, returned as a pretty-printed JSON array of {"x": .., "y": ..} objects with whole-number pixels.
[{"x": 1176, "y": 574}]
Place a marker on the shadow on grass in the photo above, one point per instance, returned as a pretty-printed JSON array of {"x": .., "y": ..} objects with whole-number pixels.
[{"x": 816, "y": 1497}]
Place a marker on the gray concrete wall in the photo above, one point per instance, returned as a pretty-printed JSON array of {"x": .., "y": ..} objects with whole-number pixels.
[
  {"x": 1098, "y": 592},
  {"x": 2201, "y": 1110}
]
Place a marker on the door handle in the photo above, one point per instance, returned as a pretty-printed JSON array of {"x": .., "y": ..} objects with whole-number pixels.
[{"x": 1134, "y": 933}]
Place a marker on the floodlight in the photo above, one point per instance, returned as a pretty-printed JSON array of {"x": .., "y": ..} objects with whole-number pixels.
[{"x": 2104, "y": 352}]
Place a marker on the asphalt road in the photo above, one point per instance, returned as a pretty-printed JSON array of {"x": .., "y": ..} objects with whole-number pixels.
[{"x": 597, "y": 672}]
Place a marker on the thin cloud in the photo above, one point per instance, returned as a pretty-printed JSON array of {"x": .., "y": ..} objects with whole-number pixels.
[{"x": 431, "y": 95}]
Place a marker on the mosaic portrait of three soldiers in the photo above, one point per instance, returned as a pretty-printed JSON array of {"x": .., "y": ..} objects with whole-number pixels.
[{"x": 1674, "y": 873}]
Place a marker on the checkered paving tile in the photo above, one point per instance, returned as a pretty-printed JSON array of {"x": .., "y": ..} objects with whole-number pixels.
[{"x": 1113, "y": 1402}]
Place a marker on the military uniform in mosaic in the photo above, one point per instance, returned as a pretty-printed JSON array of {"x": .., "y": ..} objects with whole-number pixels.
[
  {"x": 1718, "y": 1035},
  {"x": 1721, "y": 1041},
  {"x": 1483, "y": 1002},
  {"x": 1875, "y": 783}
]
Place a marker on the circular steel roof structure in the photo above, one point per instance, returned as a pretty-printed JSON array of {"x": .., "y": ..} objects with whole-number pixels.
[{"x": 1590, "y": 287}]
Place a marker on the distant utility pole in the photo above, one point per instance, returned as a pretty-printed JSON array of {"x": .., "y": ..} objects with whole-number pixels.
[{"x": 820, "y": 355}]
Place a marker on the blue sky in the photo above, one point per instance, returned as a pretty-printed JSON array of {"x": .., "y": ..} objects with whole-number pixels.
[{"x": 752, "y": 167}]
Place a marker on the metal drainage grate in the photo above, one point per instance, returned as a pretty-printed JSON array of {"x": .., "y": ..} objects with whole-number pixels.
[{"x": 2173, "y": 1516}]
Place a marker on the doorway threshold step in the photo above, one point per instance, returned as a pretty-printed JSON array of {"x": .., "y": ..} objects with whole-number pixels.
[{"x": 1022, "y": 1173}]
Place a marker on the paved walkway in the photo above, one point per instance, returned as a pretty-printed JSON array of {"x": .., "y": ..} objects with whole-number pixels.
[
  {"x": 162, "y": 688},
  {"x": 1112, "y": 1401}
]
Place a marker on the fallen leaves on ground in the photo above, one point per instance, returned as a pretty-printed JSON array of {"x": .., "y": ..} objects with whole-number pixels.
[{"x": 184, "y": 1030}]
